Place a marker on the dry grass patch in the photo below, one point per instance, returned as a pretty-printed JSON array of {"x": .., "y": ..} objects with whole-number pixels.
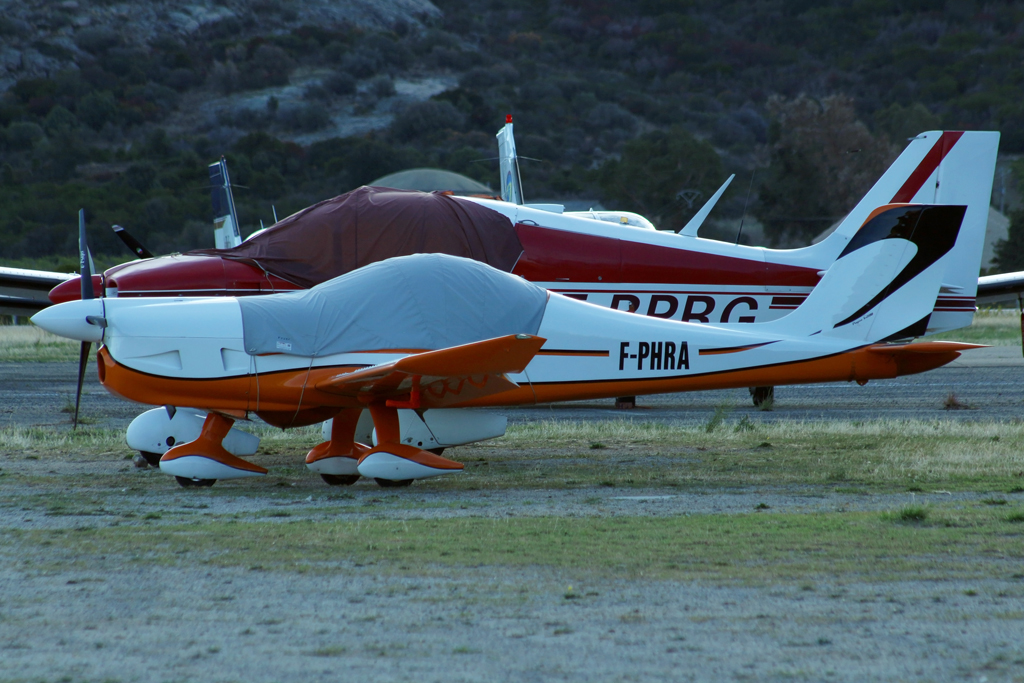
[
  {"x": 881, "y": 453},
  {"x": 60, "y": 444},
  {"x": 20, "y": 343},
  {"x": 991, "y": 326}
]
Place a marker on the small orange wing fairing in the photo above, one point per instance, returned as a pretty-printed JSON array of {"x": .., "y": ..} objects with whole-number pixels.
[{"x": 437, "y": 379}]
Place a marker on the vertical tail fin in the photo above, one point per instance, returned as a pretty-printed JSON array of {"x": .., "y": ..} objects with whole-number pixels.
[
  {"x": 937, "y": 167},
  {"x": 964, "y": 177},
  {"x": 511, "y": 182},
  {"x": 225, "y": 223},
  {"x": 884, "y": 283}
]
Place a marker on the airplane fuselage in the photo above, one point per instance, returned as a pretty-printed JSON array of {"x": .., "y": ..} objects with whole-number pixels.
[{"x": 192, "y": 352}]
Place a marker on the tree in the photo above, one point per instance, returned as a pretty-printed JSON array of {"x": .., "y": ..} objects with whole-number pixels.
[
  {"x": 900, "y": 123},
  {"x": 1009, "y": 256},
  {"x": 654, "y": 169},
  {"x": 822, "y": 160}
]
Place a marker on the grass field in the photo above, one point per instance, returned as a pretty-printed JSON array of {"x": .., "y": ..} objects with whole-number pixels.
[
  {"x": 279, "y": 528},
  {"x": 876, "y": 456},
  {"x": 942, "y": 542}
]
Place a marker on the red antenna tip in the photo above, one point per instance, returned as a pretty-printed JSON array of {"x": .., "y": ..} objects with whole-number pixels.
[{"x": 508, "y": 118}]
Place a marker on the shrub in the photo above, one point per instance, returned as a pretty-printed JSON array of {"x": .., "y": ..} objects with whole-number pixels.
[
  {"x": 225, "y": 77},
  {"x": 340, "y": 83},
  {"x": 269, "y": 66},
  {"x": 307, "y": 118},
  {"x": 611, "y": 120},
  {"x": 361, "y": 64},
  {"x": 97, "y": 108},
  {"x": 316, "y": 91},
  {"x": 24, "y": 135},
  {"x": 426, "y": 118},
  {"x": 97, "y": 39},
  {"x": 910, "y": 514},
  {"x": 28, "y": 89},
  {"x": 60, "y": 120},
  {"x": 382, "y": 87},
  {"x": 182, "y": 78}
]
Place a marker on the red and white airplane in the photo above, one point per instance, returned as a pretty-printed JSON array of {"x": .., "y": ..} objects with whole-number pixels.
[
  {"x": 432, "y": 331},
  {"x": 613, "y": 259}
]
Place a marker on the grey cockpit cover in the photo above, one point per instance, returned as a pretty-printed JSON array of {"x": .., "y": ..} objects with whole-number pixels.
[{"x": 424, "y": 301}]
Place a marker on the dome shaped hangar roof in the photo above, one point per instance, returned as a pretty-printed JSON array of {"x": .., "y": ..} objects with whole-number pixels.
[{"x": 433, "y": 180}]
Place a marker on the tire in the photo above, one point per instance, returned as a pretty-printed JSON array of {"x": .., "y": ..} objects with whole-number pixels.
[
  {"x": 762, "y": 395},
  {"x": 392, "y": 483},
  {"x": 152, "y": 458},
  {"x": 340, "y": 479},
  {"x": 436, "y": 451},
  {"x": 187, "y": 483}
]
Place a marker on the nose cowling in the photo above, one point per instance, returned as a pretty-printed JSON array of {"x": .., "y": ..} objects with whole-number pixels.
[
  {"x": 81, "y": 320},
  {"x": 71, "y": 289}
]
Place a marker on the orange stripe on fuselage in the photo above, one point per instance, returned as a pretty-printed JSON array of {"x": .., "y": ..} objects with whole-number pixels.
[
  {"x": 871, "y": 362},
  {"x": 281, "y": 391},
  {"x": 272, "y": 391}
]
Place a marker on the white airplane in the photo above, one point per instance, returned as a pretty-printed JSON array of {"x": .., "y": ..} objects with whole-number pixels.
[{"x": 432, "y": 331}]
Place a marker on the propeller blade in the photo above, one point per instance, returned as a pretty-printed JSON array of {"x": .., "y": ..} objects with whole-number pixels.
[
  {"x": 84, "y": 259},
  {"x": 131, "y": 242},
  {"x": 83, "y": 360}
]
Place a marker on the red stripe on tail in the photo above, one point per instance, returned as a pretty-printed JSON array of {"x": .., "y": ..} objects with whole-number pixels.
[{"x": 927, "y": 166}]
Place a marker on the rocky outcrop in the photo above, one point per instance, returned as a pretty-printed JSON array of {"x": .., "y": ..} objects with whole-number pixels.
[{"x": 39, "y": 38}]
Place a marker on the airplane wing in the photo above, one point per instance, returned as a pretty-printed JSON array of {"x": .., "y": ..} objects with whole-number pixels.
[
  {"x": 435, "y": 379},
  {"x": 24, "y": 292},
  {"x": 993, "y": 289}
]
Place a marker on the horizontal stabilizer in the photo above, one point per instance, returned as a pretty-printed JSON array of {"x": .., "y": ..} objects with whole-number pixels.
[{"x": 923, "y": 356}]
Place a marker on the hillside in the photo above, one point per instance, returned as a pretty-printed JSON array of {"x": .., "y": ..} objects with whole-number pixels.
[{"x": 119, "y": 106}]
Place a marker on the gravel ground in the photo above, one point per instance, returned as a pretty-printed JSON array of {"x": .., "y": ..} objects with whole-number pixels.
[
  {"x": 185, "y": 624},
  {"x": 116, "y": 620},
  {"x": 119, "y": 621}
]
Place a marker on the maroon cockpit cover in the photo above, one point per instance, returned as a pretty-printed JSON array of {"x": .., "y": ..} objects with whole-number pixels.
[{"x": 371, "y": 224}]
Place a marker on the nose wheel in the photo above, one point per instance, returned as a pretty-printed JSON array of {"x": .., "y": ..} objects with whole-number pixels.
[{"x": 152, "y": 458}]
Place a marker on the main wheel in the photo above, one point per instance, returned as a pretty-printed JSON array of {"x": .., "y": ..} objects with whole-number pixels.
[
  {"x": 152, "y": 458},
  {"x": 340, "y": 479},
  {"x": 762, "y": 395},
  {"x": 193, "y": 483},
  {"x": 392, "y": 483}
]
